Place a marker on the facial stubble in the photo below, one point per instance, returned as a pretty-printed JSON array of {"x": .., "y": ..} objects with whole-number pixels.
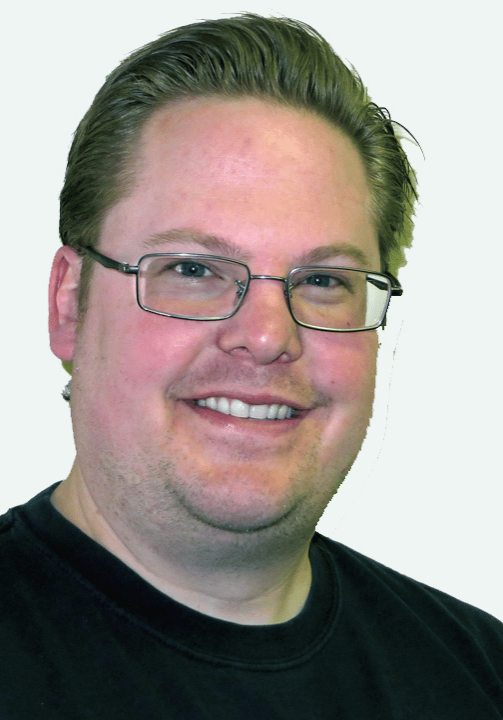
[{"x": 176, "y": 516}]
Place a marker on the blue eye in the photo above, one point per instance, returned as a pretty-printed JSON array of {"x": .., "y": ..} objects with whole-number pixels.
[
  {"x": 323, "y": 281},
  {"x": 189, "y": 268}
]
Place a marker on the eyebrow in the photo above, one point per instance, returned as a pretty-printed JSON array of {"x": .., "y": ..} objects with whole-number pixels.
[
  {"x": 210, "y": 242},
  {"x": 227, "y": 248},
  {"x": 324, "y": 252}
]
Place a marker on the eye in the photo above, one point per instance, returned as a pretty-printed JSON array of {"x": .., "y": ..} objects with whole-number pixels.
[
  {"x": 323, "y": 281},
  {"x": 190, "y": 268},
  {"x": 330, "y": 285}
]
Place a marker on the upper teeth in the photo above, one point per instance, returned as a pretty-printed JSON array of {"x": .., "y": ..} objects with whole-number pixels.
[{"x": 240, "y": 409}]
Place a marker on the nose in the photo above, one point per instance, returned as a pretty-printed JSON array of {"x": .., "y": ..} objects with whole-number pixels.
[{"x": 262, "y": 329}]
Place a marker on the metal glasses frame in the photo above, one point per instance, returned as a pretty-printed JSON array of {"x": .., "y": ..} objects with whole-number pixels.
[{"x": 395, "y": 289}]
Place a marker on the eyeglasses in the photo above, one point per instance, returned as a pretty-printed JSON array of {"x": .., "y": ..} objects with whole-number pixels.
[{"x": 191, "y": 286}]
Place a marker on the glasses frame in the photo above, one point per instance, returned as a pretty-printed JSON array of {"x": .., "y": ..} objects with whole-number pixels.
[{"x": 395, "y": 289}]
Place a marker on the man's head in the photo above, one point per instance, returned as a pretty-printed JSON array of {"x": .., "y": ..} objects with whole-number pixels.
[
  {"x": 246, "y": 56},
  {"x": 163, "y": 446}
]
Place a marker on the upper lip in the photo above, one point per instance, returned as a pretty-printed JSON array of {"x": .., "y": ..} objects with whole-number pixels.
[{"x": 249, "y": 399}]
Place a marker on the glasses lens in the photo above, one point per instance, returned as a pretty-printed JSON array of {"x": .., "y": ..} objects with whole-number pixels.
[
  {"x": 338, "y": 298},
  {"x": 191, "y": 286}
]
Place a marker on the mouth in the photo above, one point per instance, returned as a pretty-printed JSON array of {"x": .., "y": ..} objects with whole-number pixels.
[{"x": 239, "y": 409}]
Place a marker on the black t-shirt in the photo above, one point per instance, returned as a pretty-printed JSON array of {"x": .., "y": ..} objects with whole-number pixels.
[{"x": 83, "y": 637}]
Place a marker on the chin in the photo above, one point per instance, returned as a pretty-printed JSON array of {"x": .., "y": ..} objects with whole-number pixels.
[
  {"x": 241, "y": 523},
  {"x": 244, "y": 516}
]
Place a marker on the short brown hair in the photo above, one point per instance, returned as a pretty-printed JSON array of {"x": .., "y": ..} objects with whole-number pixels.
[{"x": 248, "y": 55}]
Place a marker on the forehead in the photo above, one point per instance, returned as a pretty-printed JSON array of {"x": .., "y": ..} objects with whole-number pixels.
[{"x": 252, "y": 172}]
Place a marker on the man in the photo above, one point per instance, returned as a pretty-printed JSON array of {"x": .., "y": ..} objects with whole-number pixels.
[{"x": 231, "y": 206}]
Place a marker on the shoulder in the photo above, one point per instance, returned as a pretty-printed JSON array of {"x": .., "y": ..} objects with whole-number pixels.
[
  {"x": 390, "y": 591},
  {"x": 23, "y": 531},
  {"x": 6, "y": 523}
]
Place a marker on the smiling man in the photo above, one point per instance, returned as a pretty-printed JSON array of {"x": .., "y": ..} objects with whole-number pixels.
[
  {"x": 231, "y": 205},
  {"x": 176, "y": 411}
]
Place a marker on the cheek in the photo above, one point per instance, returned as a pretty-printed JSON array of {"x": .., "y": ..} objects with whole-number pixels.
[
  {"x": 147, "y": 348},
  {"x": 350, "y": 381},
  {"x": 346, "y": 365},
  {"x": 126, "y": 363},
  {"x": 125, "y": 343}
]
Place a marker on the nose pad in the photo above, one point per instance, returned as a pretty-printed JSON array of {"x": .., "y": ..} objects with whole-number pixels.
[{"x": 263, "y": 327}]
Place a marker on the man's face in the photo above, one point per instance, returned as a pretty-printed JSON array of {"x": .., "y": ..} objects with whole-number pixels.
[{"x": 273, "y": 187}]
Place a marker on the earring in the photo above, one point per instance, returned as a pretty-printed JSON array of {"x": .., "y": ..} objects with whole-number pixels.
[{"x": 67, "y": 391}]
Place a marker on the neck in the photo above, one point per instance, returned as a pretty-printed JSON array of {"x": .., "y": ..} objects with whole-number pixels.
[{"x": 241, "y": 578}]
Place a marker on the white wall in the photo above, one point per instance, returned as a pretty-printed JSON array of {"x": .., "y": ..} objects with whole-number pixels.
[{"x": 425, "y": 497}]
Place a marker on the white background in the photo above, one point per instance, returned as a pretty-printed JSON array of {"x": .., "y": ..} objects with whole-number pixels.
[{"x": 425, "y": 495}]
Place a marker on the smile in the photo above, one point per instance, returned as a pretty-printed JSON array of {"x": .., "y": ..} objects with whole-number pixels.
[{"x": 240, "y": 409}]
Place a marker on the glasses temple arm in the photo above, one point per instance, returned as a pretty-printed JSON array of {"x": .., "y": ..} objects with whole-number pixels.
[
  {"x": 109, "y": 263},
  {"x": 396, "y": 288}
]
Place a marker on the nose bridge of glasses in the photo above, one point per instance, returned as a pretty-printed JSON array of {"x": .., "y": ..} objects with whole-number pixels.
[
  {"x": 271, "y": 303},
  {"x": 272, "y": 277},
  {"x": 242, "y": 289}
]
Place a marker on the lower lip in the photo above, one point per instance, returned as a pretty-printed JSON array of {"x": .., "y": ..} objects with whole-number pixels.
[{"x": 244, "y": 424}]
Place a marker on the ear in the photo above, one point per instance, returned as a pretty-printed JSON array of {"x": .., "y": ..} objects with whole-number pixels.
[{"x": 63, "y": 302}]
